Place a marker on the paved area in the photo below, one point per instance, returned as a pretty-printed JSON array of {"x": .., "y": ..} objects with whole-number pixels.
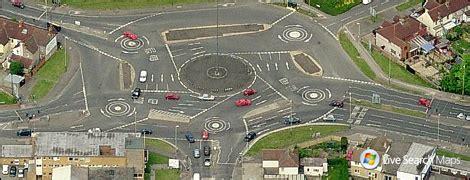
[{"x": 307, "y": 64}]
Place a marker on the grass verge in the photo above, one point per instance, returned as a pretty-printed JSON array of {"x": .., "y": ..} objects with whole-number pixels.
[
  {"x": 390, "y": 108},
  {"x": 334, "y": 7},
  {"x": 167, "y": 174},
  {"x": 399, "y": 72},
  {"x": 133, "y": 4},
  {"x": 337, "y": 169},
  {"x": 162, "y": 145},
  {"x": 49, "y": 74},
  {"x": 408, "y": 4},
  {"x": 355, "y": 56},
  {"x": 154, "y": 158},
  {"x": 446, "y": 153},
  {"x": 283, "y": 139},
  {"x": 6, "y": 98}
]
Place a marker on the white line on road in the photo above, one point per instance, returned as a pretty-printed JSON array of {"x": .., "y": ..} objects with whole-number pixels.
[
  {"x": 161, "y": 77},
  {"x": 180, "y": 107},
  {"x": 172, "y": 78},
  {"x": 330, "y": 24},
  {"x": 282, "y": 110},
  {"x": 18, "y": 115},
  {"x": 267, "y": 65},
  {"x": 254, "y": 119},
  {"x": 275, "y": 65},
  {"x": 269, "y": 85},
  {"x": 260, "y": 58},
  {"x": 185, "y": 104},
  {"x": 134, "y": 21},
  {"x": 146, "y": 86},
  {"x": 220, "y": 102},
  {"x": 77, "y": 93},
  {"x": 167, "y": 87},
  {"x": 279, "y": 55},
  {"x": 179, "y": 55},
  {"x": 83, "y": 86},
  {"x": 263, "y": 131},
  {"x": 257, "y": 97},
  {"x": 146, "y": 39},
  {"x": 282, "y": 18},
  {"x": 246, "y": 126},
  {"x": 287, "y": 65},
  {"x": 414, "y": 123},
  {"x": 393, "y": 125},
  {"x": 259, "y": 68},
  {"x": 199, "y": 53},
  {"x": 270, "y": 57},
  {"x": 151, "y": 79},
  {"x": 193, "y": 49},
  {"x": 359, "y": 13},
  {"x": 172, "y": 60},
  {"x": 346, "y": 18},
  {"x": 196, "y": 43},
  {"x": 261, "y": 102},
  {"x": 373, "y": 125}
]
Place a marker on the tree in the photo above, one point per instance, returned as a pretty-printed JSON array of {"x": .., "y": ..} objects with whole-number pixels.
[
  {"x": 344, "y": 143},
  {"x": 16, "y": 68},
  {"x": 453, "y": 81}
]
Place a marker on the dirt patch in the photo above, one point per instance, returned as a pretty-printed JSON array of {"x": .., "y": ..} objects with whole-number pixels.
[
  {"x": 126, "y": 76},
  {"x": 306, "y": 63},
  {"x": 194, "y": 33}
]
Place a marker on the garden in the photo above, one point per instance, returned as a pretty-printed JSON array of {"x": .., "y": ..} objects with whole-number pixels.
[{"x": 333, "y": 7}]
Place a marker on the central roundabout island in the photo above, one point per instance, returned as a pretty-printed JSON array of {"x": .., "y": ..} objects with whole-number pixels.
[{"x": 217, "y": 74}]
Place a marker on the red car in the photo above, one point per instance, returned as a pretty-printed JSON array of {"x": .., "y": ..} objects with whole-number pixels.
[
  {"x": 424, "y": 102},
  {"x": 249, "y": 92},
  {"x": 129, "y": 35},
  {"x": 242, "y": 102},
  {"x": 205, "y": 135},
  {"x": 171, "y": 96}
]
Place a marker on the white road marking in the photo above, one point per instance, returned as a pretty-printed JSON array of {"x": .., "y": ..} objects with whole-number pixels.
[
  {"x": 287, "y": 65},
  {"x": 260, "y": 58},
  {"x": 282, "y": 18},
  {"x": 146, "y": 39},
  {"x": 180, "y": 107},
  {"x": 259, "y": 68},
  {"x": 282, "y": 110},
  {"x": 151, "y": 79},
  {"x": 167, "y": 87},
  {"x": 346, "y": 18},
  {"x": 193, "y": 49},
  {"x": 177, "y": 50},
  {"x": 329, "y": 93},
  {"x": 261, "y": 102},
  {"x": 373, "y": 125},
  {"x": 275, "y": 65},
  {"x": 263, "y": 131},
  {"x": 196, "y": 43},
  {"x": 18, "y": 115},
  {"x": 254, "y": 99},
  {"x": 134, "y": 21},
  {"x": 161, "y": 77},
  {"x": 246, "y": 126},
  {"x": 269, "y": 85},
  {"x": 393, "y": 125},
  {"x": 270, "y": 57},
  {"x": 77, "y": 93},
  {"x": 172, "y": 78},
  {"x": 330, "y": 24},
  {"x": 267, "y": 66},
  {"x": 146, "y": 86},
  {"x": 179, "y": 55},
  {"x": 254, "y": 119},
  {"x": 177, "y": 111},
  {"x": 198, "y": 53},
  {"x": 359, "y": 13},
  {"x": 156, "y": 86},
  {"x": 172, "y": 60},
  {"x": 185, "y": 104},
  {"x": 279, "y": 55},
  {"x": 414, "y": 123},
  {"x": 83, "y": 87},
  {"x": 307, "y": 40}
]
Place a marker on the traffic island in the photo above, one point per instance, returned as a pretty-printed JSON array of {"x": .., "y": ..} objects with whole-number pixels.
[
  {"x": 168, "y": 116},
  {"x": 206, "y": 32},
  {"x": 278, "y": 105},
  {"x": 306, "y": 63},
  {"x": 127, "y": 76}
]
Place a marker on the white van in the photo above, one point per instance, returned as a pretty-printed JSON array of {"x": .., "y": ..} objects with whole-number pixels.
[
  {"x": 5, "y": 169},
  {"x": 196, "y": 176}
]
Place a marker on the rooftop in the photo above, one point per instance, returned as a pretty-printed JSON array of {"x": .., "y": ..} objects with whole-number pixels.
[
  {"x": 437, "y": 10},
  {"x": 286, "y": 158},
  {"x": 17, "y": 151},
  {"x": 397, "y": 150},
  {"x": 317, "y": 162},
  {"x": 401, "y": 30},
  {"x": 31, "y": 35},
  {"x": 416, "y": 150},
  {"x": 84, "y": 143}
]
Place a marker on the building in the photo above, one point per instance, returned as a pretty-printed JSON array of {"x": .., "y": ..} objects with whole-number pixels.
[
  {"x": 99, "y": 151},
  {"x": 420, "y": 158},
  {"x": 397, "y": 150},
  {"x": 314, "y": 166},
  {"x": 450, "y": 167},
  {"x": 442, "y": 15},
  {"x": 280, "y": 162},
  {"x": 400, "y": 38},
  {"x": 379, "y": 144}
]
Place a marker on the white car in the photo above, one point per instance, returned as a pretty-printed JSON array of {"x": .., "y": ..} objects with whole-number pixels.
[
  {"x": 329, "y": 117},
  {"x": 93, "y": 130},
  {"x": 20, "y": 173},
  {"x": 207, "y": 162},
  {"x": 468, "y": 118},
  {"x": 143, "y": 76},
  {"x": 206, "y": 97},
  {"x": 461, "y": 116}
]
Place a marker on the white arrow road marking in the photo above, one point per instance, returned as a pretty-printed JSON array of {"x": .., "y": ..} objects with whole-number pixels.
[
  {"x": 275, "y": 64},
  {"x": 267, "y": 65},
  {"x": 172, "y": 78},
  {"x": 287, "y": 65},
  {"x": 259, "y": 68}
]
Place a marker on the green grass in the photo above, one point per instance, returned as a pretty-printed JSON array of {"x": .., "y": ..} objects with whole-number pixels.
[
  {"x": 354, "y": 55},
  {"x": 337, "y": 169},
  {"x": 334, "y": 7},
  {"x": 398, "y": 72},
  {"x": 158, "y": 144},
  {"x": 167, "y": 174},
  {"x": 155, "y": 158},
  {"x": 49, "y": 74},
  {"x": 6, "y": 98},
  {"x": 461, "y": 46},
  {"x": 127, "y": 4},
  {"x": 446, "y": 153},
  {"x": 390, "y": 108},
  {"x": 408, "y": 4},
  {"x": 290, "y": 137}
]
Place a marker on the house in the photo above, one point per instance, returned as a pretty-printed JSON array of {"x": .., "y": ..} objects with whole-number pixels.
[
  {"x": 397, "y": 150},
  {"x": 76, "y": 172},
  {"x": 420, "y": 157},
  {"x": 451, "y": 167},
  {"x": 96, "y": 151},
  {"x": 379, "y": 144},
  {"x": 280, "y": 162},
  {"x": 442, "y": 15},
  {"x": 314, "y": 166},
  {"x": 401, "y": 38}
]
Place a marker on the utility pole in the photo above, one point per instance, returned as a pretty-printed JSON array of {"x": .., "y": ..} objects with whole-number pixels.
[
  {"x": 65, "y": 53},
  {"x": 359, "y": 32}
]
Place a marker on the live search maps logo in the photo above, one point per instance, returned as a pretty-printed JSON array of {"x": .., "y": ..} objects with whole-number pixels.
[{"x": 370, "y": 159}]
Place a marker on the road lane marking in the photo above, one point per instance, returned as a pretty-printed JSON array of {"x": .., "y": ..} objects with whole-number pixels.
[
  {"x": 373, "y": 125},
  {"x": 269, "y": 85},
  {"x": 179, "y": 55},
  {"x": 331, "y": 24},
  {"x": 275, "y": 65},
  {"x": 196, "y": 43},
  {"x": 263, "y": 131},
  {"x": 195, "y": 54},
  {"x": 77, "y": 93},
  {"x": 134, "y": 21},
  {"x": 246, "y": 126},
  {"x": 261, "y": 102},
  {"x": 257, "y": 97},
  {"x": 260, "y": 58},
  {"x": 193, "y": 49},
  {"x": 415, "y": 123},
  {"x": 161, "y": 77},
  {"x": 167, "y": 87},
  {"x": 267, "y": 65},
  {"x": 185, "y": 104},
  {"x": 344, "y": 19},
  {"x": 270, "y": 57},
  {"x": 151, "y": 79},
  {"x": 287, "y": 65},
  {"x": 282, "y": 18},
  {"x": 259, "y": 68},
  {"x": 172, "y": 60},
  {"x": 254, "y": 119},
  {"x": 359, "y": 13},
  {"x": 172, "y": 78}
]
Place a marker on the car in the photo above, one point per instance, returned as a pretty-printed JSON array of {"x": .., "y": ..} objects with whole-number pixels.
[
  {"x": 250, "y": 136},
  {"x": 143, "y": 76},
  {"x": 24, "y": 132},
  {"x": 424, "y": 102},
  {"x": 329, "y": 117},
  {"x": 206, "y": 97},
  {"x": 129, "y": 35},
  {"x": 336, "y": 103},
  {"x": 12, "y": 171},
  {"x": 242, "y": 102},
  {"x": 207, "y": 151},
  {"x": 291, "y": 119},
  {"x": 93, "y": 130},
  {"x": 20, "y": 173},
  {"x": 197, "y": 153},
  {"x": 207, "y": 162},
  {"x": 205, "y": 135},
  {"x": 136, "y": 93},
  {"x": 17, "y": 3},
  {"x": 146, "y": 131},
  {"x": 171, "y": 96},
  {"x": 249, "y": 92},
  {"x": 146, "y": 156},
  {"x": 461, "y": 116},
  {"x": 5, "y": 170},
  {"x": 189, "y": 136},
  {"x": 196, "y": 176}
]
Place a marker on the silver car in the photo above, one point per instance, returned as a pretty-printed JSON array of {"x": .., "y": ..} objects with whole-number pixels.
[{"x": 197, "y": 153}]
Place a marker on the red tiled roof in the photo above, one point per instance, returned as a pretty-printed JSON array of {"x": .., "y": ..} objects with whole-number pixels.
[
  {"x": 285, "y": 157},
  {"x": 435, "y": 9},
  {"x": 401, "y": 32},
  {"x": 24, "y": 61},
  {"x": 32, "y": 36}
]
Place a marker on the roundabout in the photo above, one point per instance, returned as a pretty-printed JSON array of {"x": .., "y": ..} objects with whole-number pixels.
[
  {"x": 117, "y": 108},
  {"x": 216, "y": 125}
]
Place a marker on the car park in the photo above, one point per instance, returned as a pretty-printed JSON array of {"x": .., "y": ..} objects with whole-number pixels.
[
  {"x": 205, "y": 135},
  {"x": 424, "y": 102},
  {"x": 336, "y": 103},
  {"x": 197, "y": 153},
  {"x": 12, "y": 171},
  {"x": 20, "y": 173},
  {"x": 207, "y": 162},
  {"x": 129, "y": 35},
  {"x": 171, "y": 96},
  {"x": 329, "y": 117},
  {"x": 136, "y": 93},
  {"x": 242, "y": 102},
  {"x": 189, "y": 136},
  {"x": 207, "y": 151},
  {"x": 250, "y": 136},
  {"x": 206, "y": 97},
  {"x": 24, "y": 132},
  {"x": 249, "y": 92},
  {"x": 291, "y": 119},
  {"x": 146, "y": 131},
  {"x": 143, "y": 76}
]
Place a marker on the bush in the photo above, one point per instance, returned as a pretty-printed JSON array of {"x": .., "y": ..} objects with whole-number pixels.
[{"x": 16, "y": 68}]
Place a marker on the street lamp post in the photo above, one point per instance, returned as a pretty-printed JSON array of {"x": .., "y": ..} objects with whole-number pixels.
[
  {"x": 176, "y": 135},
  {"x": 359, "y": 32}
]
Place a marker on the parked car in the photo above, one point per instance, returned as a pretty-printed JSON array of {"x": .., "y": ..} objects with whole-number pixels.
[
  {"x": 93, "y": 130},
  {"x": 291, "y": 119},
  {"x": 207, "y": 151},
  {"x": 242, "y": 102},
  {"x": 5, "y": 170},
  {"x": 336, "y": 103},
  {"x": 143, "y": 76},
  {"x": 249, "y": 92},
  {"x": 207, "y": 162},
  {"x": 17, "y": 3},
  {"x": 468, "y": 118},
  {"x": 424, "y": 102},
  {"x": 146, "y": 131},
  {"x": 129, "y": 35},
  {"x": 189, "y": 136},
  {"x": 197, "y": 153},
  {"x": 206, "y": 97},
  {"x": 24, "y": 132},
  {"x": 205, "y": 135},
  {"x": 329, "y": 117},
  {"x": 12, "y": 171},
  {"x": 20, "y": 173},
  {"x": 136, "y": 93},
  {"x": 461, "y": 116},
  {"x": 146, "y": 156},
  {"x": 250, "y": 136},
  {"x": 171, "y": 96}
]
